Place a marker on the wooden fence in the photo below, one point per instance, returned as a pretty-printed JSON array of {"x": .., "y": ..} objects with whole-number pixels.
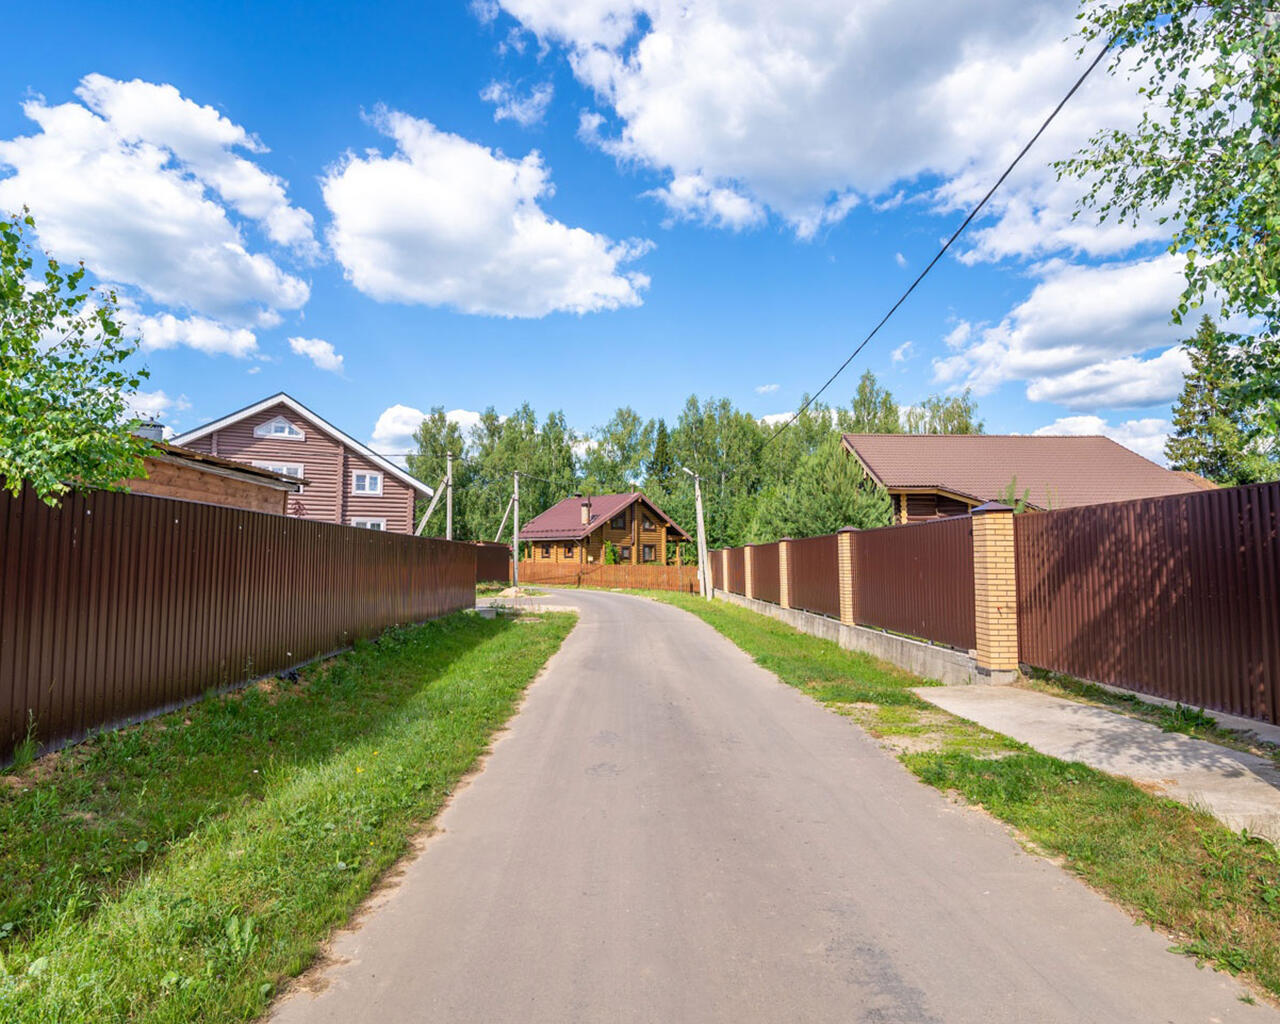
[
  {"x": 619, "y": 577},
  {"x": 113, "y": 606},
  {"x": 1177, "y": 597}
]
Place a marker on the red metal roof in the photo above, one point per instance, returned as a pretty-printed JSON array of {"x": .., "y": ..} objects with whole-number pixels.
[
  {"x": 1061, "y": 472},
  {"x": 563, "y": 521}
]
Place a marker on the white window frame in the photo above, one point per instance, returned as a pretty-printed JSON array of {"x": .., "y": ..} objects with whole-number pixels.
[
  {"x": 365, "y": 523},
  {"x": 290, "y": 433},
  {"x": 283, "y": 468},
  {"x": 371, "y": 474}
]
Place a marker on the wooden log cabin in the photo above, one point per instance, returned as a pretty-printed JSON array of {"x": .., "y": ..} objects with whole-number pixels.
[{"x": 576, "y": 530}]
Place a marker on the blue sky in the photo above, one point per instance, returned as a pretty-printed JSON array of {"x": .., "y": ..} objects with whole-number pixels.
[{"x": 587, "y": 204}]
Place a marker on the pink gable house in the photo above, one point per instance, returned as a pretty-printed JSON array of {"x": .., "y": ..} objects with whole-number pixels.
[{"x": 346, "y": 482}]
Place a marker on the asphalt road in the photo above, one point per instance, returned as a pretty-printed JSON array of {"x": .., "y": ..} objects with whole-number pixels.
[{"x": 667, "y": 833}]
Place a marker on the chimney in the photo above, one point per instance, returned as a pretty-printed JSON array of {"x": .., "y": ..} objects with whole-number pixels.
[
  {"x": 150, "y": 430},
  {"x": 586, "y": 512}
]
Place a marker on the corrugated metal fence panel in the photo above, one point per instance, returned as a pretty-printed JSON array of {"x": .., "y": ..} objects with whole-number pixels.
[
  {"x": 493, "y": 563},
  {"x": 114, "y": 605},
  {"x": 717, "y": 571},
  {"x": 815, "y": 575},
  {"x": 1177, "y": 597},
  {"x": 765, "y": 581},
  {"x": 918, "y": 579},
  {"x": 737, "y": 560}
]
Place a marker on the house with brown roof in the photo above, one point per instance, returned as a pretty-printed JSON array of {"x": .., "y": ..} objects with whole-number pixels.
[
  {"x": 345, "y": 482},
  {"x": 930, "y": 476},
  {"x": 576, "y": 530}
]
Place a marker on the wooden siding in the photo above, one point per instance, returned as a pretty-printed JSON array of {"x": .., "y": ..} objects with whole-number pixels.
[
  {"x": 919, "y": 506},
  {"x": 187, "y": 482},
  {"x": 327, "y": 464}
]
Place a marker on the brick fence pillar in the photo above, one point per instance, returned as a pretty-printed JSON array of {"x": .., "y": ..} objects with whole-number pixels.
[
  {"x": 995, "y": 590},
  {"x": 784, "y": 572},
  {"x": 748, "y": 571},
  {"x": 848, "y": 581}
]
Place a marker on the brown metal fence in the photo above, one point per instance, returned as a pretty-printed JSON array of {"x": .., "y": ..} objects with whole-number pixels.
[
  {"x": 765, "y": 578},
  {"x": 917, "y": 579},
  {"x": 717, "y": 571},
  {"x": 622, "y": 577},
  {"x": 814, "y": 585},
  {"x": 116, "y": 605},
  {"x": 736, "y": 559},
  {"x": 1176, "y": 597},
  {"x": 493, "y": 563}
]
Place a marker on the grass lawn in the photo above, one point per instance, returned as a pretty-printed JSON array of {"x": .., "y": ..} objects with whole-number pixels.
[
  {"x": 1171, "y": 866},
  {"x": 181, "y": 869}
]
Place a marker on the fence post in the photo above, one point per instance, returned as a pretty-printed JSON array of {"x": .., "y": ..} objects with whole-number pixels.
[
  {"x": 784, "y": 572},
  {"x": 848, "y": 582},
  {"x": 995, "y": 591},
  {"x": 748, "y": 571}
]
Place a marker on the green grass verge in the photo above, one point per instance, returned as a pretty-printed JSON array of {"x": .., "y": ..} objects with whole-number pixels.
[
  {"x": 181, "y": 869},
  {"x": 1171, "y": 866}
]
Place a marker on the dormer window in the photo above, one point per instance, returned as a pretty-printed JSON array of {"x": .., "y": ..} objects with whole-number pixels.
[{"x": 279, "y": 428}]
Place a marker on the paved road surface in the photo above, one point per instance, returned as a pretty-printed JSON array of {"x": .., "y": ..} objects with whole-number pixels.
[{"x": 669, "y": 834}]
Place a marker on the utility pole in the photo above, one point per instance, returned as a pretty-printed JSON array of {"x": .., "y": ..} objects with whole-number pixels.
[
  {"x": 448, "y": 500},
  {"x": 515, "y": 531},
  {"x": 704, "y": 570}
]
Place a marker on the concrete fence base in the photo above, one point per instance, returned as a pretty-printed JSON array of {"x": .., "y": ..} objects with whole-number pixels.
[{"x": 950, "y": 667}]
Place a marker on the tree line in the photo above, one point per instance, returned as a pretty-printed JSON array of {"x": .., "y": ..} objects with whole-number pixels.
[{"x": 760, "y": 479}]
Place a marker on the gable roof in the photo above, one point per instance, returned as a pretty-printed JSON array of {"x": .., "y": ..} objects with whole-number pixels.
[
  {"x": 563, "y": 520},
  {"x": 293, "y": 404},
  {"x": 1061, "y": 472},
  {"x": 163, "y": 451}
]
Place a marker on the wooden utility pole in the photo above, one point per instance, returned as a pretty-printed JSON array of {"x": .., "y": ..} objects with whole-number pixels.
[
  {"x": 515, "y": 531},
  {"x": 448, "y": 499}
]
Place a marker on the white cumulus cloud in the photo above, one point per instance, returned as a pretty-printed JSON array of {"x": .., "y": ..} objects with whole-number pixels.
[
  {"x": 509, "y": 105},
  {"x": 208, "y": 336},
  {"x": 319, "y": 352},
  {"x": 443, "y": 221},
  {"x": 155, "y": 192},
  {"x": 766, "y": 389},
  {"x": 396, "y": 426},
  {"x": 1145, "y": 436}
]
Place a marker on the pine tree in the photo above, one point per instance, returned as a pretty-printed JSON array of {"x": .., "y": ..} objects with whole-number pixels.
[
  {"x": 661, "y": 466},
  {"x": 1208, "y": 436}
]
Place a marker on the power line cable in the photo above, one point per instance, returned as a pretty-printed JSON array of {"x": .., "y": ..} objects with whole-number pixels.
[{"x": 942, "y": 252}]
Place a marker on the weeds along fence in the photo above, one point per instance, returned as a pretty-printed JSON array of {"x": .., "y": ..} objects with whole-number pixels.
[
  {"x": 621, "y": 577},
  {"x": 114, "y": 605},
  {"x": 493, "y": 562},
  {"x": 1176, "y": 597}
]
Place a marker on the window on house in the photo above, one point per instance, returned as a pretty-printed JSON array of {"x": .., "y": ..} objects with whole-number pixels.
[
  {"x": 647, "y": 553},
  {"x": 294, "y": 469},
  {"x": 648, "y": 524},
  {"x": 279, "y": 428},
  {"x": 546, "y": 550},
  {"x": 370, "y": 524},
  {"x": 568, "y": 549},
  {"x": 624, "y": 553},
  {"x": 619, "y": 522},
  {"x": 366, "y": 483}
]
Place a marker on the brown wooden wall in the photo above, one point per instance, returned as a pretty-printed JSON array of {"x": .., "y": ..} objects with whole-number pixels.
[
  {"x": 116, "y": 605},
  {"x": 1177, "y": 597},
  {"x": 185, "y": 481}
]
